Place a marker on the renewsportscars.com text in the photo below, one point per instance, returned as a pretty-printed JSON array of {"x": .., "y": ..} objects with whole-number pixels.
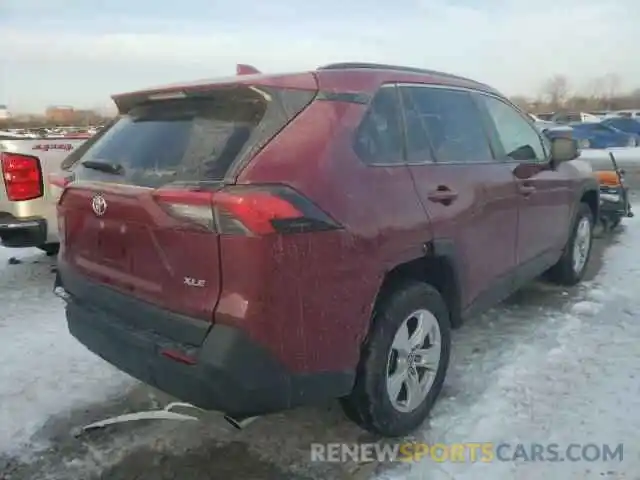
[{"x": 467, "y": 452}]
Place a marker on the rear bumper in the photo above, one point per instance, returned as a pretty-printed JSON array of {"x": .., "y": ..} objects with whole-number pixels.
[
  {"x": 22, "y": 232},
  {"x": 230, "y": 372}
]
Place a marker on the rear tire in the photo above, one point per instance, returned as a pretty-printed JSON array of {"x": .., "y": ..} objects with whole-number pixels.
[
  {"x": 571, "y": 267},
  {"x": 403, "y": 363},
  {"x": 51, "y": 249}
]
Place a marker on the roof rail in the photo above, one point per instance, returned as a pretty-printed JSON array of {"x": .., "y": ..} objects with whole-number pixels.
[{"x": 382, "y": 66}]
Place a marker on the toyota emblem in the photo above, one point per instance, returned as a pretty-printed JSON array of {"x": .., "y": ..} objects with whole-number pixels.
[{"x": 99, "y": 205}]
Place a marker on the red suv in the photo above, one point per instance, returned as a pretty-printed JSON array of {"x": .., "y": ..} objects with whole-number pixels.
[{"x": 262, "y": 242}]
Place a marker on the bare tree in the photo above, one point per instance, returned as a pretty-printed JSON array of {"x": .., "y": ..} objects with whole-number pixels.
[
  {"x": 612, "y": 87},
  {"x": 556, "y": 90},
  {"x": 596, "y": 93},
  {"x": 521, "y": 101}
]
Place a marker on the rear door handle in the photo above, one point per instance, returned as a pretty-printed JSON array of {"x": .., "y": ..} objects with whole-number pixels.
[{"x": 443, "y": 195}]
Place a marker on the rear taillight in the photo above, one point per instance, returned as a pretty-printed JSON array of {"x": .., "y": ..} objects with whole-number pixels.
[
  {"x": 57, "y": 184},
  {"x": 246, "y": 210},
  {"x": 22, "y": 176}
]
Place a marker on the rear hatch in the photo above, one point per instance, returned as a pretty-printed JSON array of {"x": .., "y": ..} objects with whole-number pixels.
[{"x": 138, "y": 215}]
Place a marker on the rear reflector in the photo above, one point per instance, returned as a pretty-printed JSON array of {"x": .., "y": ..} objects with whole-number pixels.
[
  {"x": 246, "y": 210},
  {"x": 22, "y": 176},
  {"x": 177, "y": 356}
]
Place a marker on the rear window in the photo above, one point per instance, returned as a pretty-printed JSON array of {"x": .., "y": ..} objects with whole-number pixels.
[
  {"x": 445, "y": 122},
  {"x": 194, "y": 139}
]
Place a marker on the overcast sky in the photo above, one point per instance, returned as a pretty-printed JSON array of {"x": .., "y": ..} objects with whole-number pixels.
[{"x": 80, "y": 52}]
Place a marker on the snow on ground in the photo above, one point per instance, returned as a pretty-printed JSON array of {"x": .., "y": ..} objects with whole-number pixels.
[
  {"x": 573, "y": 378},
  {"x": 549, "y": 365},
  {"x": 44, "y": 371}
]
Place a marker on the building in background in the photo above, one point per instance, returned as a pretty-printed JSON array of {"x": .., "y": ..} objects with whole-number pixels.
[
  {"x": 4, "y": 112},
  {"x": 87, "y": 117},
  {"x": 61, "y": 114}
]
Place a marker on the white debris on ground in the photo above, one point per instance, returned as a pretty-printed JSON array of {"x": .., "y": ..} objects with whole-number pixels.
[
  {"x": 573, "y": 379},
  {"x": 45, "y": 371}
]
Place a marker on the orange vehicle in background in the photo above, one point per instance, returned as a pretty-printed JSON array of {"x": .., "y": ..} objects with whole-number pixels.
[{"x": 609, "y": 178}]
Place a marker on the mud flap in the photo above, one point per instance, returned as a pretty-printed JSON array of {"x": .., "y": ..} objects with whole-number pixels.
[
  {"x": 58, "y": 288},
  {"x": 164, "y": 414}
]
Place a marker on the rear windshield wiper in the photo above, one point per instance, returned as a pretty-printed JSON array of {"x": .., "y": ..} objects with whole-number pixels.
[{"x": 114, "y": 168}]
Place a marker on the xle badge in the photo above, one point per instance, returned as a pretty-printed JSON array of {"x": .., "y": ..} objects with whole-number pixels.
[{"x": 194, "y": 282}]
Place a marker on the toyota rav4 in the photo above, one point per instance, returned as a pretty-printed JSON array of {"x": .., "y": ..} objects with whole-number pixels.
[{"x": 262, "y": 242}]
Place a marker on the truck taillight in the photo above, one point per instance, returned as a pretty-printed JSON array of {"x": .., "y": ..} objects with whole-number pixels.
[
  {"x": 246, "y": 210},
  {"x": 22, "y": 176},
  {"x": 57, "y": 184}
]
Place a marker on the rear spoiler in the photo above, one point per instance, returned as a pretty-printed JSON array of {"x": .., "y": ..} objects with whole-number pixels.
[
  {"x": 245, "y": 75},
  {"x": 244, "y": 69}
]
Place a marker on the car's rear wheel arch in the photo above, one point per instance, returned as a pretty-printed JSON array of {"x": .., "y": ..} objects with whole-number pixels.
[{"x": 438, "y": 268}]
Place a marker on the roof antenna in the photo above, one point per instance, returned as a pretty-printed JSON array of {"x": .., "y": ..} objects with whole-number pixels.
[{"x": 244, "y": 69}]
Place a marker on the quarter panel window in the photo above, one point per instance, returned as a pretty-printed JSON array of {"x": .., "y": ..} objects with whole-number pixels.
[
  {"x": 445, "y": 125},
  {"x": 518, "y": 137},
  {"x": 379, "y": 138}
]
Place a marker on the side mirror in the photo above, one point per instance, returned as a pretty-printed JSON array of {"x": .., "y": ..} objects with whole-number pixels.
[{"x": 564, "y": 149}]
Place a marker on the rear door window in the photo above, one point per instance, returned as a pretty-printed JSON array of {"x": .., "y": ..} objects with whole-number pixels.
[
  {"x": 188, "y": 140},
  {"x": 444, "y": 123}
]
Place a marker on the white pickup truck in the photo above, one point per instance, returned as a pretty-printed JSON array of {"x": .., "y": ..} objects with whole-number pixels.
[{"x": 27, "y": 205}]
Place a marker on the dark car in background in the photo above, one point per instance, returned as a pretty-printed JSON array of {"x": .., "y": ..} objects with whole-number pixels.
[
  {"x": 574, "y": 117},
  {"x": 623, "y": 124},
  {"x": 600, "y": 135}
]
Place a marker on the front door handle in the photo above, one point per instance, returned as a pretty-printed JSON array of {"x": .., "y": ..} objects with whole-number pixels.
[
  {"x": 443, "y": 195},
  {"x": 526, "y": 189}
]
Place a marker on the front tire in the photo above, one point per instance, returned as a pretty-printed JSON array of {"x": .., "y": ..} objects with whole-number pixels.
[
  {"x": 572, "y": 265},
  {"x": 404, "y": 362}
]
